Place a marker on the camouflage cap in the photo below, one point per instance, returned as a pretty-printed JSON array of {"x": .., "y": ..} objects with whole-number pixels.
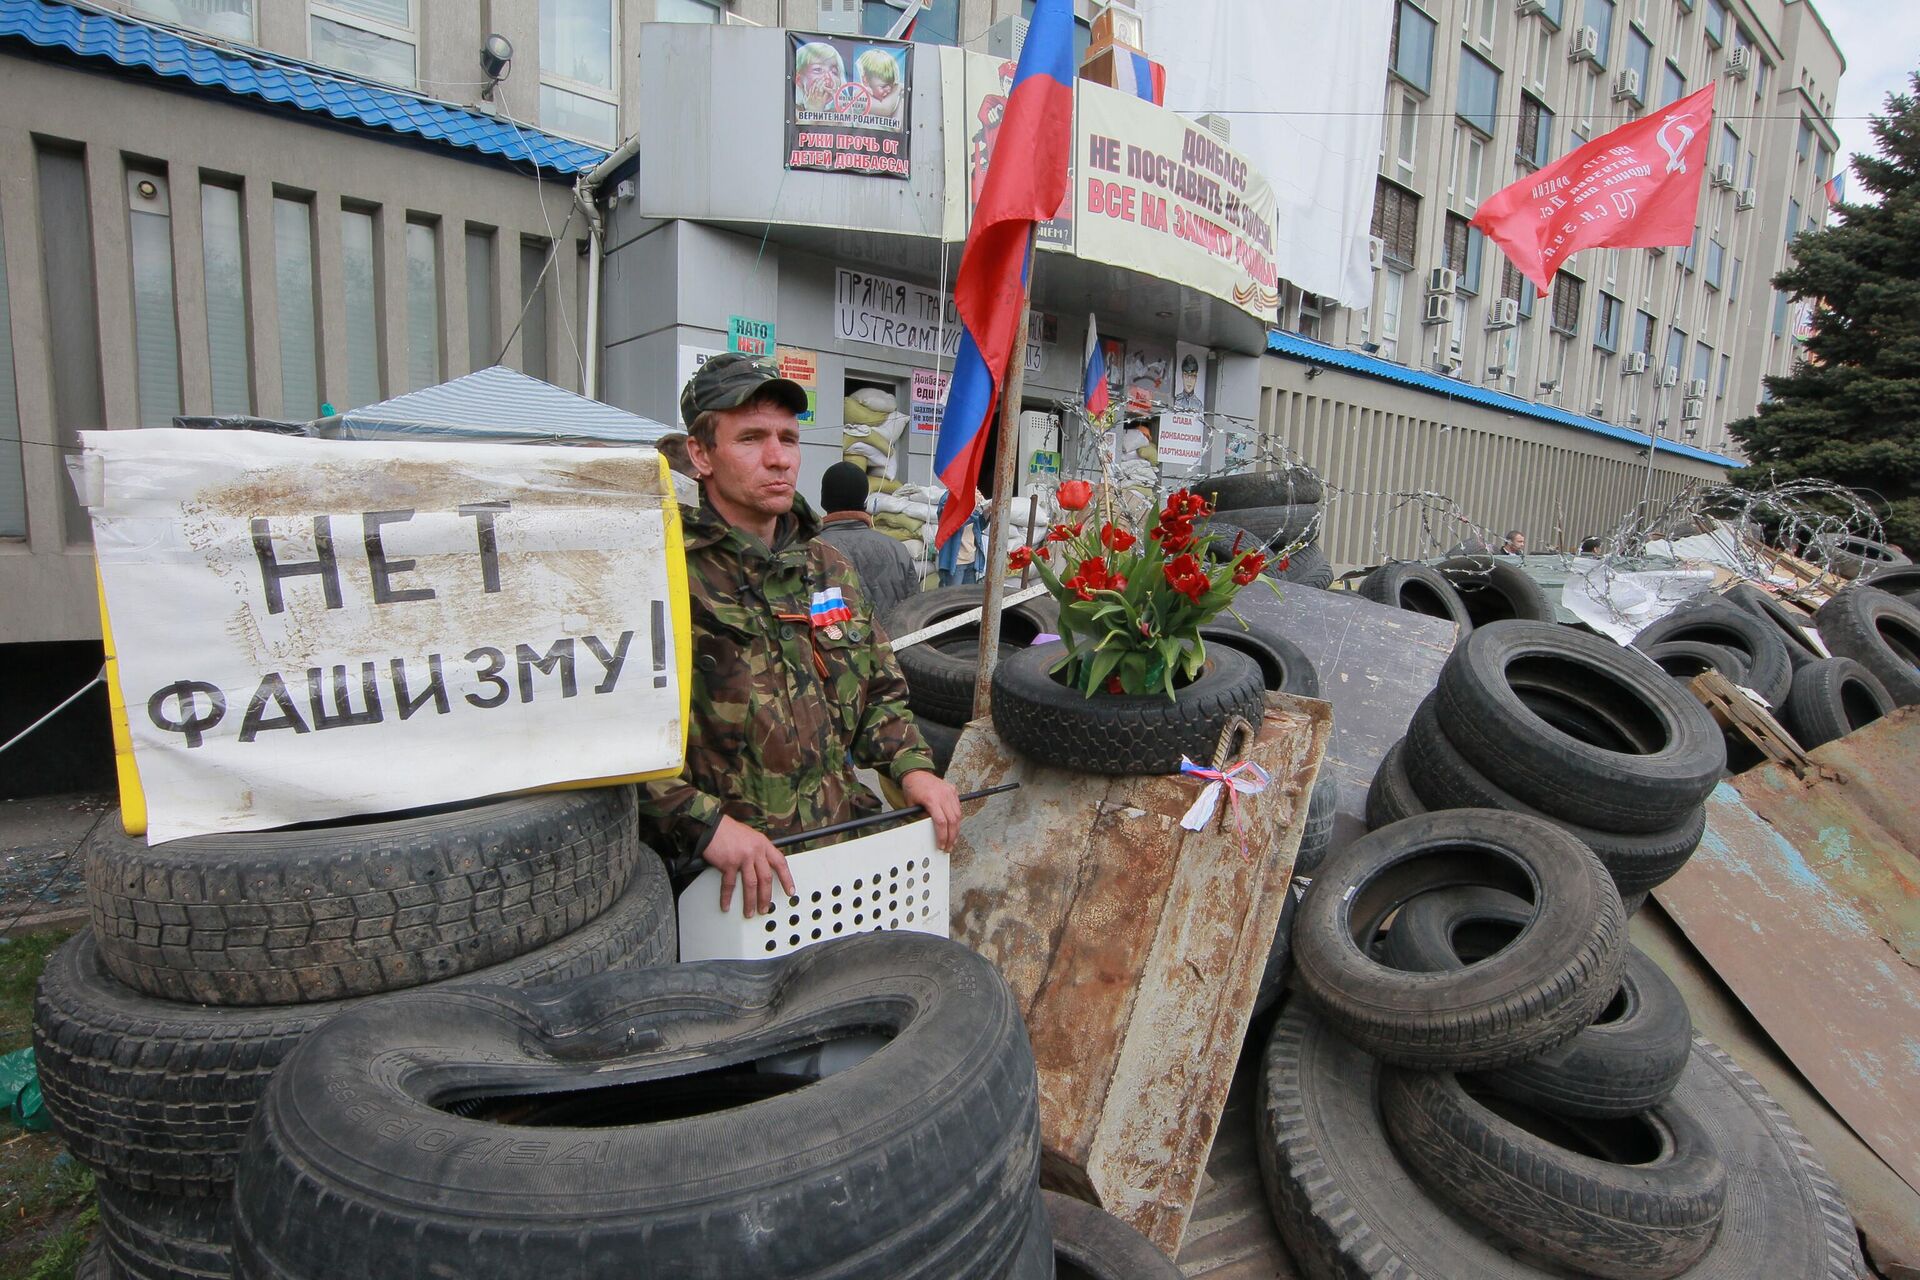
[{"x": 729, "y": 381}]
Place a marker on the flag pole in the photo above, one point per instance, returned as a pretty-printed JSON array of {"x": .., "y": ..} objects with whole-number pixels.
[{"x": 1003, "y": 462}]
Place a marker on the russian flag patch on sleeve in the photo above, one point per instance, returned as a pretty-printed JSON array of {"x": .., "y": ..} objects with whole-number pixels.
[{"x": 829, "y": 607}]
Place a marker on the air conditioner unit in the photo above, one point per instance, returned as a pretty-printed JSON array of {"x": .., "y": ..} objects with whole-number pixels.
[
  {"x": 1723, "y": 176},
  {"x": 1442, "y": 280},
  {"x": 1693, "y": 410},
  {"x": 1697, "y": 389},
  {"x": 1528, "y": 8},
  {"x": 1504, "y": 313},
  {"x": 1627, "y": 85},
  {"x": 1739, "y": 62},
  {"x": 1439, "y": 309},
  {"x": 1216, "y": 124},
  {"x": 1634, "y": 364},
  {"x": 837, "y": 17},
  {"x": 1584, "y": 46},
  {"x": 1669, "y": 377},
  {"x": 1376, "y": 252},
  {"x": 1747, "y": 198},
  {"x": 1004, "y": 40}
]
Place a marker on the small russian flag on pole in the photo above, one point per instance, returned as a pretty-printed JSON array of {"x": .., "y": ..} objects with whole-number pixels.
[
  {"x": 1095, "y": 388},
  {"x": 1139, "y": 75},
  {"x": 1837, "y": 188}
]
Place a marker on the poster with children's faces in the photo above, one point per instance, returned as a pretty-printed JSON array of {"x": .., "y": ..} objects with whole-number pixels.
[{"x": 849, "y": 106}]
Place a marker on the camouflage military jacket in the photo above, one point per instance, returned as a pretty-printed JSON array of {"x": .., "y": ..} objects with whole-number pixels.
[{"x": 782, "y": 709}]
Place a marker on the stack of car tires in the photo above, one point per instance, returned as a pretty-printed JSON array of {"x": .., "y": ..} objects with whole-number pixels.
[
  {"x": 940, "y": 670},
  {"x": 1553, "y": 723},
  {"x": 211, "y": 959},
  {"x": 657, "y": 1123},
  {"x": 1417, "y": 588},
  {"x": 1481, "y": 1077},
  {"x": 1280, "y": 510}
]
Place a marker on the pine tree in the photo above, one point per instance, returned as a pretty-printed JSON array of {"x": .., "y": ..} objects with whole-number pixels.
[{"x": 1851, "y": 412}]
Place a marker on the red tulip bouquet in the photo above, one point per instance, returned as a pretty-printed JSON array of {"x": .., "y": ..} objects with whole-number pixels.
[{"x": 1131, "y": 607}]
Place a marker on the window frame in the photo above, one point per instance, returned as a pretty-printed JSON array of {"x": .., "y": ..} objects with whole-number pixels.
[
  {"x": 1542, "y": 119},
  {"x": 1433, "y": 47},
  {"x": 138, "y": 9},
  {"x": 1606, "y": 337},
  {"x": 1671, "y": 73},
  {"x": 585, "y": 89},
  {"x": 408, "y": 35},
  {"x": 1603, "y": 52},
  {"x": 1645, "y": 65},
  {"x": 1493, "y": 104},
  {"x": 1563, "y": 316}
]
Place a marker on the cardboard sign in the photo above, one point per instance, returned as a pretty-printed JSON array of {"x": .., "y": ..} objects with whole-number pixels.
[
  {"x": 929, "y": 400},
  {"x": 312, "y": 629}
]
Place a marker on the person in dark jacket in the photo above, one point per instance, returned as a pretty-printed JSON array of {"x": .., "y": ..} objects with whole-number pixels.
[{"x": 887, "y": 572}]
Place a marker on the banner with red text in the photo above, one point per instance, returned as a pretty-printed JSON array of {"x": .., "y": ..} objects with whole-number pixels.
[
  {"x": 1159, "y": 194},
  {"x": 849, "y": 105}
]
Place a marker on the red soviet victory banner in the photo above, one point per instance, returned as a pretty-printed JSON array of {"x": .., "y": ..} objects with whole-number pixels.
[{"x": 1634, "y": 188}]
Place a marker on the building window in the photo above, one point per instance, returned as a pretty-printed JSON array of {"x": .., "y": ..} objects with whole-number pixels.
[
  {"x": 1479, "y": 91},
  {"x": 578, "y": 93},
  {"x": 423, "y": 304},
  {"x": 1716, "y": 264},
  {"x": 1486, "y": 17},
  {"x": 1779, "y": 313},
  {"x": 73, "y": 324},
  {"x": 1566, "y": 304},
  {"x": 156, "y": 338},
  {"x": 1804, "y": 144},
  {"x": 1729, "y": 147},
  {"x": 1413, "y": 45},
  {"x": 1469, "y": 167},
  {"x": 1717, "y": 22},
  {"x": 695, "y": 11},
  {"x": 1606, "y": 329},
  {"x": 483, "y": 274},
  {"x": 1554, "y": 11},
  {"x": 1476, "y": 260},
  {"x": 223, "y": 254},
  {"x": 1640, "y": 60},
  {"x": 1456, "y": 247},
  {"x": 1396, "y": 221},
  {"x": 1673, "y": 85},
  {"x": 1822, "y": 163},
  {"x": 1733, "y": 281},
  {"x": 1760, "y": 79},
  {"x": 227, "y": 19},
  {"x": 1600, "y": 18},
  {"x": 1393, "y": 290},
  {"x": 1676, "y": 352},
  {"x": 1533, "y": 142},
  {"x": 1643, "y": 333},
  {"x": 939, "y": 22},
  {"x": 371, "y": 38},
  {"x": 13, "y": 485},
  {"x": 1793, "y": 219},
  {"x": 534, "y": 253},
  {"x": 1726, "y": 376},
  {"x": 293, "y": 282},
  {"x": 1516, "y": 286},
  {"x": 1407, "y": 139},
  {"x": 1702, "y": 362},
  {"x": 360, "y": 287}
]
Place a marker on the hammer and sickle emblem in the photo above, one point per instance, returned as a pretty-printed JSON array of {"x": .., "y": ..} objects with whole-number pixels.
[{"x": 1676, "y": 151}]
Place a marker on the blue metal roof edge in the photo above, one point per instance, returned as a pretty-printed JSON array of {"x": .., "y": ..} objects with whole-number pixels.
[
  {"x": 287, "y": 82},
  {"x": 1295, "y": 347}
]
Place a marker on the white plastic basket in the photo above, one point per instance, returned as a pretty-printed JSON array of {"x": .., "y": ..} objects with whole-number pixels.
[{"x": 895, "y": 879}]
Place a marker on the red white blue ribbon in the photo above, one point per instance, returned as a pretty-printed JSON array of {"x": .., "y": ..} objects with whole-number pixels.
[{"x": 1245, "y": 778}]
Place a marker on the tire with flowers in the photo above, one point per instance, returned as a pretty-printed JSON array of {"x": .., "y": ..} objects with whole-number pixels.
[
  {"x": 940, "y": 670},
  {"x": 1121, "y": 733}
]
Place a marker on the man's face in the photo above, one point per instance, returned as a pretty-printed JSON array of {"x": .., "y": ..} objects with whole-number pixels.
[
  {"x": 754, "y": 464},
  {"x": 1518, "y": 542}
]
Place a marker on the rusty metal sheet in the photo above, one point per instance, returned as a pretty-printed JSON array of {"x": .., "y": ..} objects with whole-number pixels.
[
  {"x": 1376, "y": 664},
  {"x": 1783, "y": 928},
  {"x": 1135, "y": 949}
]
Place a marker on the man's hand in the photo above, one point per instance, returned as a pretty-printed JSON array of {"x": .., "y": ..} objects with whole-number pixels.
[
  {"x": 738, "y": 850},
  {"x": 941, "y": 801}
]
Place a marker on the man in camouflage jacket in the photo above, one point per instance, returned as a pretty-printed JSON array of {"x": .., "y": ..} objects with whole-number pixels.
[{"x": 793, "y": 682}]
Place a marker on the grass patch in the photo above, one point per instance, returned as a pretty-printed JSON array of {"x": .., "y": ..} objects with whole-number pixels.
[{"x": 46, "y": 1196}]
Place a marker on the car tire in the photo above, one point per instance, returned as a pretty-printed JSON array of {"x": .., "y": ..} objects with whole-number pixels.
[
  {"x": 1287, "y": 486},
  {"x": 156, "y": 1237},
  {"x": 1668, "y": 756},
  {"x": 1536, "y": 994},
  {"x": 1316, "y": 837},
  {"x": 1284, "y": 666},
  {"x": 1831, "y": 698},
  {"x": 919, "y": 1162},
  {"x": 157, "y": 1095},
  {"x": 1307, "y": 567},
  {"x": 1685, "y": 659},
  {"x": 1903, "y": 581},
  {"x": 1441, "y": 778},
  {"x": 1348, "y": 1208},
  {"x": 1495, "y": 589},
  {"x": 1273, "y": 978},
  {"x": 1091, "y": 1244},
  {"x": 358, "y": 907},
  {"x": 1277, "y": 527},
  {"x": 1879, "y": 631},
  {"x": 1391, "y": 797},
  {"x": 1623, "y": 1063},
  {"x": 1417, "y": 588},
  {"x": 1120, "y": 733},
  {"x": 1769, "y": 672},
  {"x": 1851, "y": 557},
  {"x": 1638, "y": 1198},
  {"x": 1800, "y": 650},
  {"x": 940, "y": 671}
]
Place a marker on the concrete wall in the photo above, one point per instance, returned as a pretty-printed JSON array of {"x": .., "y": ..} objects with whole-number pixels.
[
  {"x": 46, "y": 579},
  {"x": 1375, "y": 441}
]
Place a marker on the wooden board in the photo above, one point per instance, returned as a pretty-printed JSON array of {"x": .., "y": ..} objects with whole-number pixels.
[{"x": 1135, "y": 949}]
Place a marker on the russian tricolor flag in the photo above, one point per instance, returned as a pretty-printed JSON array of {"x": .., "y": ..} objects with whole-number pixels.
[
  {"x": 1095, "y": 384},
  {"x": 1139, "y": 75},
  {"x": 1837, "y": 188},
  {"x": 1026, "y": 181}
]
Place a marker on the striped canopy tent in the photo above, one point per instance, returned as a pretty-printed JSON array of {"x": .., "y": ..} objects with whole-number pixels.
[{"x": 497, "y": 406}]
